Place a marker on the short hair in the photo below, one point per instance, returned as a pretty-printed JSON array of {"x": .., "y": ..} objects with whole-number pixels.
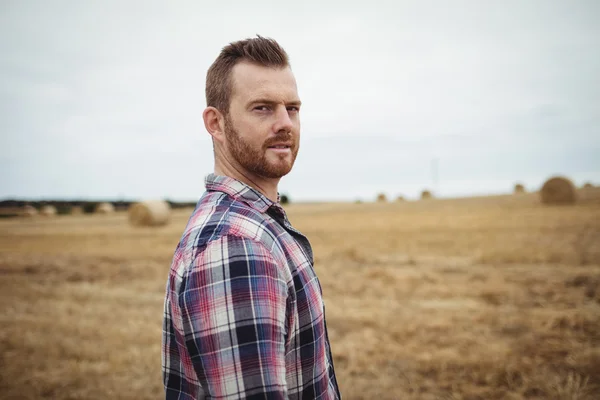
[{"x": 260, "y": 51}]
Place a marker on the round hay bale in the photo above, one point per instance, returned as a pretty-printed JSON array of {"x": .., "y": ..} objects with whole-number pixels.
[
  {"x": 48, "y": 210},
  {"x": 29, "y": 211},
  {"x": 400, "y": 199},
  {"x": 519, "y": 188},
  {"x": 426, "y": 194},
  {"x": 149, "y": 213},
  {"x": 588, "y": 185},
  {"x": 381, "y": 198},
  {"x": 558, "y": 190},
  {"x": 104, "y": 208}
]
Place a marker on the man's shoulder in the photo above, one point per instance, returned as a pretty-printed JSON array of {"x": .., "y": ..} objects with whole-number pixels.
[{"x": 218, "y": 215}]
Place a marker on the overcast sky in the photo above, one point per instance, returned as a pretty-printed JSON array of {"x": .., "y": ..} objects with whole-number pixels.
[{"x": 103, "y": 99}]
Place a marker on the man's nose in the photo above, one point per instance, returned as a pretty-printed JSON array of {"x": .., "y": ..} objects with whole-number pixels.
[{"x": 283, "y": 122}]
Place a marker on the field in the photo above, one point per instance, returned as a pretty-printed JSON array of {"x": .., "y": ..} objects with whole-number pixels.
[{"x": 480, "y": 298}]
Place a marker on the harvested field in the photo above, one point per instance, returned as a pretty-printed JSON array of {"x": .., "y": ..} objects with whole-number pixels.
[{"x": 480, "y": 298}]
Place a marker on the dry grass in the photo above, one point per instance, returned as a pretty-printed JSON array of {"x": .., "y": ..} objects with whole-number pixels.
[{"x": 483, "y": 298}]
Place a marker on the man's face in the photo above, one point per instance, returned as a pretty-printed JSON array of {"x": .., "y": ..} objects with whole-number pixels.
[{"x": 262, "y": 128}]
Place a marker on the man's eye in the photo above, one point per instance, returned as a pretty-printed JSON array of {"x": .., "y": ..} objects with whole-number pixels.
[
  {"x": 261, "y": 108},
  {"x": 293, "y": 109}
]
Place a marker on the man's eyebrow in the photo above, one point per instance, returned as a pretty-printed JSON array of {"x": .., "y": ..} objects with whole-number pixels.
[{"x": 271, "y": 102}]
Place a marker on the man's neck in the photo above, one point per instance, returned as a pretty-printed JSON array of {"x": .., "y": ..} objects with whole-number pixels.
[{"x": 267, "y": 187}]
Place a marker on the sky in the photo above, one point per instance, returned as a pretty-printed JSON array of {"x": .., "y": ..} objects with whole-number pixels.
[{"x": 104, "y": 99}]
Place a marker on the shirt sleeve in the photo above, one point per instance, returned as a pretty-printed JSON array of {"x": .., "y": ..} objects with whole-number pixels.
[{"x": 233, "y": 309}]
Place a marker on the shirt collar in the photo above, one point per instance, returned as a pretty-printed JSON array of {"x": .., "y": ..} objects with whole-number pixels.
[{"x": 239, "y": 191}]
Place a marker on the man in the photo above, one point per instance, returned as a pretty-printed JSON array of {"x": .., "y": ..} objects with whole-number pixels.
[{"x": 244, "y": 316}]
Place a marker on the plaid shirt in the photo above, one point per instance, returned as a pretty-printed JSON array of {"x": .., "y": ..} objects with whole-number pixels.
[{"x": 244, "y": 316}]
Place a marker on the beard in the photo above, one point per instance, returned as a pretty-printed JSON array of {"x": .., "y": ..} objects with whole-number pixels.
[{"x": 254, "y": 159}]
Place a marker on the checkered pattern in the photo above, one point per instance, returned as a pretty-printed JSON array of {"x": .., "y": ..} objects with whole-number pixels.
[{"x": 244, "y": 316}]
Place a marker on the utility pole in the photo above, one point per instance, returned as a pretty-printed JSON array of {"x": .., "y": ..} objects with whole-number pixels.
[{"x": 435, "y": 176}]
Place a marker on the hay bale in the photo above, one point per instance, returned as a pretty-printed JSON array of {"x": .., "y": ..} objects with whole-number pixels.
[
  {"x": 29, "y": 211},
  {"x": 150, "y": 213},
  {"x": 48, "y": 210},
  {"x": 104, "y": 208},
  {"x": 381, "y": 198},
  {"x": 558, "y": 190},
  {"x": 400, "y": 199},
  {"x": 588, "y": 185},
  {"x": 426, "y": 194},
  {"x": 76, "y": 210},
  {"x": 519, "y": 188}
]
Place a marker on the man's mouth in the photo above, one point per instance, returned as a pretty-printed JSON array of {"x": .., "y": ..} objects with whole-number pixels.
[{"x": 280, "y": 146}]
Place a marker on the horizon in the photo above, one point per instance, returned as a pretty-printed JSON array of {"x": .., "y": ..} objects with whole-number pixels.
[{"x": 306, "y": 200}]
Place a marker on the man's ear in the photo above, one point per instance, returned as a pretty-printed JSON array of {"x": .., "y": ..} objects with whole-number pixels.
[{"x": 214, "y": 122}]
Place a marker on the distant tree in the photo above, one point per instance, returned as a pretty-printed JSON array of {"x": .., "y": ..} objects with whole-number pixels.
[
  {"x": 63, "y": 208},
  {"x": 284, "y": 199},
  {"x": 89, "y": 207}
]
